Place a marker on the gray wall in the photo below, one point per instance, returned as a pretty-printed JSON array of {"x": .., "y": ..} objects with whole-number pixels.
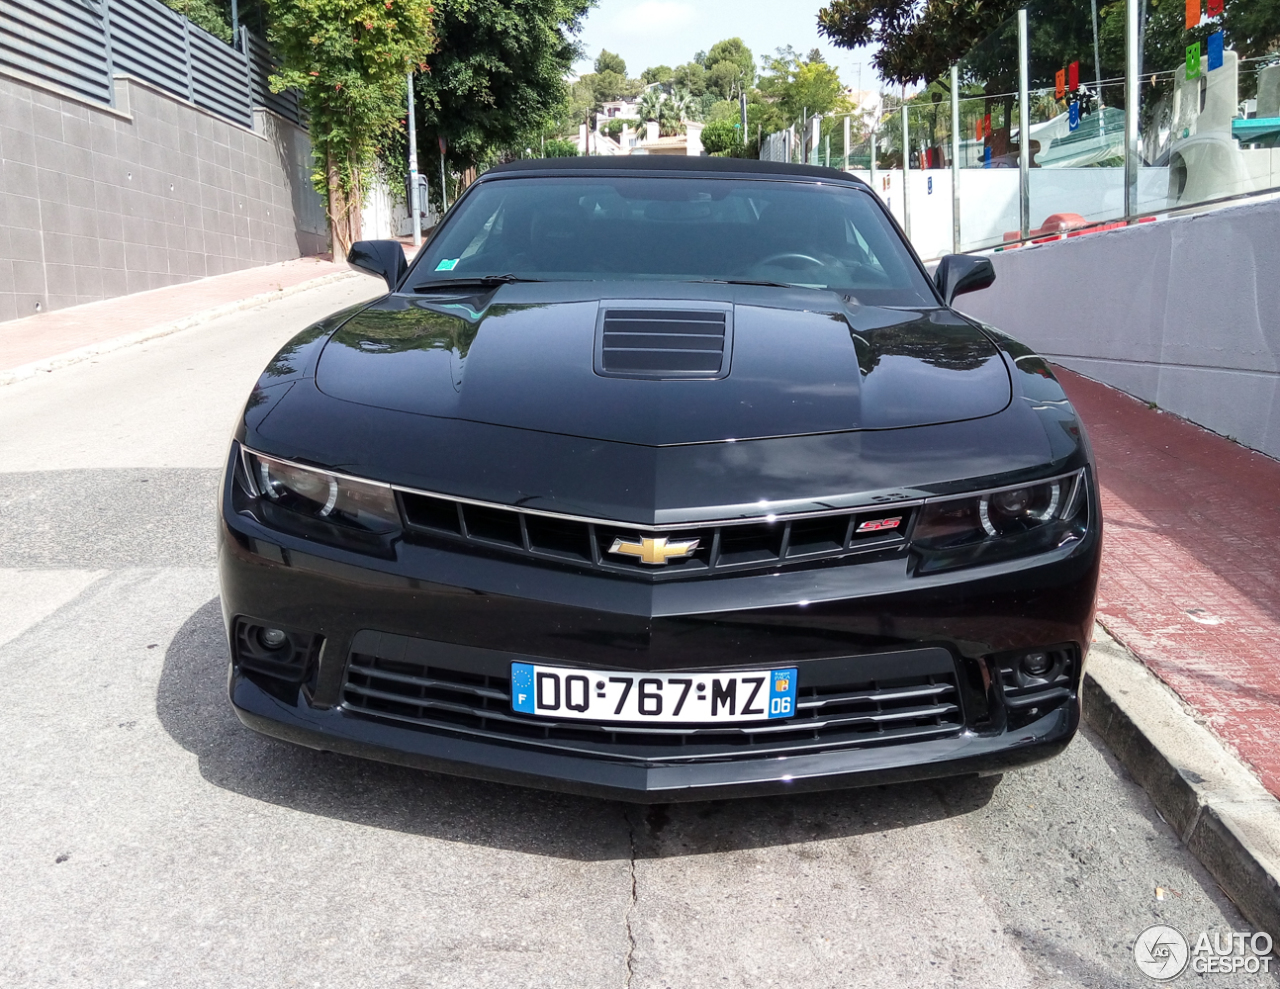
[
  {"x": 1184, "y": 313},
  {"x": 96, "y": 202}
]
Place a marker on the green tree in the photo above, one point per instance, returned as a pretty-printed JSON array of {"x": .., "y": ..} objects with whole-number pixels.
[
  {"x": 683, "y": 106},
  {"x": 650, "y": 105},
  {"x": 723, "y": 139},
  {"x": 497, "y": 79},
  {"x": 558, "y": 147},
  {"x": 917, "y": 40},
  {"x": 690, "y": 76},
  {"x": 207, "y": 14},
  {"x": 726, "y": 80},
  {"x": 793, "y": 87},
  {"x": 735, "y": 51},
  {"x": 607, "y": 61},
  {"x": 348, "y": 60},
  {"x": 661, "y": 74}
]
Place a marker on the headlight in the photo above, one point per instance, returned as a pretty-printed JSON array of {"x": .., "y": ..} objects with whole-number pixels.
[
  {"x": 992, "y": 525},
  {"x": 319, "y": 494}
]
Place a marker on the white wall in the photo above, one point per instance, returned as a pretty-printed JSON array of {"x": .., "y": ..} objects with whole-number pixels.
[
  {"x": 1184, "y": 313},
  {"x": 989, "y": 201}
]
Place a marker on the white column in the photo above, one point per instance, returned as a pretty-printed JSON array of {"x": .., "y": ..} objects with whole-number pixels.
[
  {"x": 955, "y": 159},
  {"x": 1024, "y": 125},
  {"x": 1132, "y": 70},
  {"x": 906, "y": 173},
  {"x": 414, "y": 203}
]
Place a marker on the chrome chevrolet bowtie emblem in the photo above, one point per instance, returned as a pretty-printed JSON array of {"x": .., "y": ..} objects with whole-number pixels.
[{"x": 654, "y": 551}]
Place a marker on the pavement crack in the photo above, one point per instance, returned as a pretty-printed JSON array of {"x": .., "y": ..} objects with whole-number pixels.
[{"x": 631, "y": 936}]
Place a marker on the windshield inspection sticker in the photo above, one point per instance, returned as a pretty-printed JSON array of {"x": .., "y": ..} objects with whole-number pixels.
[{"x": 448, "y": 264}]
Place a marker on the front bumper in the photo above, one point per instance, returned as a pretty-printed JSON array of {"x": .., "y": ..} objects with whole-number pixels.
[
  {"x": 479, "y": 612},
  {"x": 968, "y": 753}
]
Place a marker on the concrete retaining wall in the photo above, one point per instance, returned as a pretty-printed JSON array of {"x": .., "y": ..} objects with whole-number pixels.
[
  {"x": 1184, "y": 313},
  {"x": 96, "y": 202}
]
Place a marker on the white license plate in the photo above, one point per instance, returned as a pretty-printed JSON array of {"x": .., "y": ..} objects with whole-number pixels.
[{"x": 652, "y": 698}]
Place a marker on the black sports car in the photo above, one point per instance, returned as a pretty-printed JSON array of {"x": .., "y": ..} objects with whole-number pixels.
[{"x": 662, "y": 479}]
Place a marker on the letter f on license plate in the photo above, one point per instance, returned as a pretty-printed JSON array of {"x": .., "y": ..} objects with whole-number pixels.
[{"x": 653, "y": 698}]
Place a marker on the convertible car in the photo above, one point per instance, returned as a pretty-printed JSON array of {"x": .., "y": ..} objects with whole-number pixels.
[{"x": 662, "y": 479}]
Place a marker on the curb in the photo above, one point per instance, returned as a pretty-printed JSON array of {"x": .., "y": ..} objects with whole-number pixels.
[
  {"x": 24, "y": 371},
  {"x": 1219, "y": 809}
]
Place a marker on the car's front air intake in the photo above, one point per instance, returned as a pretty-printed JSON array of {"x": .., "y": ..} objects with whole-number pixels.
[
  {"x": 840, "y": 703},
  {"x": 663, "y": 343}
]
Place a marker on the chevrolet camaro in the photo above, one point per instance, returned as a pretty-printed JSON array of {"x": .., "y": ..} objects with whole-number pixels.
[{"x": 662, "y": 479}]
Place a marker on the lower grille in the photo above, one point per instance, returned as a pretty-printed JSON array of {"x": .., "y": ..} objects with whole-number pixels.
[{"x": 830, "y": 714}]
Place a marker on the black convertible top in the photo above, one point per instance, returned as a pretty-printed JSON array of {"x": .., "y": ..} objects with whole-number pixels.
[{"x": 672, "y": 163}]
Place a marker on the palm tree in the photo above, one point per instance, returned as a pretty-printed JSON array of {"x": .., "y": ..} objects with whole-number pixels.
[
  {"x": 650, "y": 105},
  {"x": 683, "y": 103}
]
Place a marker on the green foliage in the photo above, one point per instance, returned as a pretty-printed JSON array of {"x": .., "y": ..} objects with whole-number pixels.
[
  {"x": 691, "y": 77},
  {"x": 348, "y": 59},
  {"x": 609, "y": 85},
  {"x": 559, "y": 148},
  {"x": 730, "y": 68},
  {"x": 793, "y": 87},
  {"x": 650, "y": 105},
  {"x": 725, "y": 80},
  {"x": 723, "y": 138},
  {"x": 670, "y": 112},
  {"x": 497, "y": 79},
  {"x": 607, "y": 61},
  {"x": 723, "y": 110},
  {"x": 735, "y": 51},
  {"x": 613, "y": 126},
  {"x": 661, "y": 74},
  {"x": 208, "y": 14},
  {"x": 916, "y": 40}
]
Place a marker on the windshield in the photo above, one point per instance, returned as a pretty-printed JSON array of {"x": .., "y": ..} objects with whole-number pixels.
[{"x": 676, "y": 228}]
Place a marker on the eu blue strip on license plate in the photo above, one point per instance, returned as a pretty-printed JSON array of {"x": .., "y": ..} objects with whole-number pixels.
[{"x": 653, "y": 698}]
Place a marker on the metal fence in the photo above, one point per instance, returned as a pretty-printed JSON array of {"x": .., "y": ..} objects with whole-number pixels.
[{"x": 80, "y": 44}]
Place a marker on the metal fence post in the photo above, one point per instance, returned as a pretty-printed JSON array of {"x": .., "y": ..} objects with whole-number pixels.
[
  {"x": 1132, "y": 72},
  {"x": 414, "y": 199},
  {"x": 186, "y": 57},
  {"x": 874, "y": 150},
  {"x": 906, "y": 173},
  {"x": 105, "y": 7},
  {"x": 955, "y": 159},
  {"x": 1024, "y": 126},
  {"x": 846, "y": 141}
]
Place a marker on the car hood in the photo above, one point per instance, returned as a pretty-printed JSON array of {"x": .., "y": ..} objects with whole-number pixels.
[{"x": 802, "y": 362}]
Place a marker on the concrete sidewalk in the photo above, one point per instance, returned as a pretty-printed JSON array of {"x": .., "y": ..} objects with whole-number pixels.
[
  {"x": 48, "y": 340},
  {"x": 1189, "y": 578}
]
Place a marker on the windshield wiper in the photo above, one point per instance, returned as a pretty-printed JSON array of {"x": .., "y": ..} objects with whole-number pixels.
[
  {"x": 746, "y": 281},
  {"x": 481, "y": 280}
]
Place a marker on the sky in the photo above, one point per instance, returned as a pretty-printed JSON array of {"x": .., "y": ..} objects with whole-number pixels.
[{"x": 671, "y": 32}]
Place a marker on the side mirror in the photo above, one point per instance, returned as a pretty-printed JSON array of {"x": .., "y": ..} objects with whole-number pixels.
[
  {"x": 960, "y": 273},
  {"x": 384, "y": 258}
]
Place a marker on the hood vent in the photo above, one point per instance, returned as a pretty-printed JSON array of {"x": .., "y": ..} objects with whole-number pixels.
[{"x": 663, "y": 343}]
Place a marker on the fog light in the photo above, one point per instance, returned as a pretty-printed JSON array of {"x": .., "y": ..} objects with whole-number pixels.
[
  {"x": 1036, "y": 664},
  {"x": 274, "y": 638}
]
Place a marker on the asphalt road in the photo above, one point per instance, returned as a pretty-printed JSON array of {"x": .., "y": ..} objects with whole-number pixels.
[{"x": 147, "y": 839}]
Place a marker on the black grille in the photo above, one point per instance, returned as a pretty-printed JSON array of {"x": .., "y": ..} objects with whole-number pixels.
[
  {"x": 721, "y": 547},
  {"x": 891, "y": 698},
  {"x": 662, "y": 342}
]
